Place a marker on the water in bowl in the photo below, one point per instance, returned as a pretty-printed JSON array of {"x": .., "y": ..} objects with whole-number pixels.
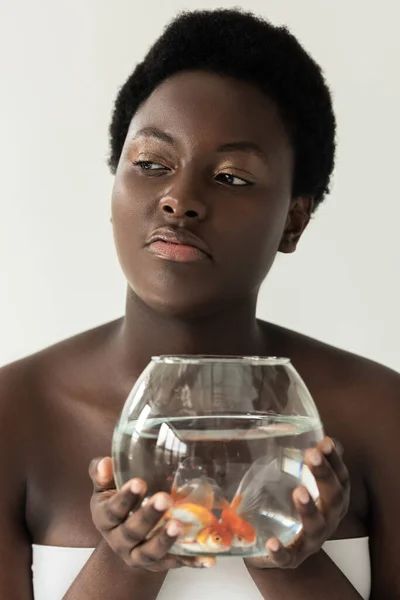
[{"x": 231, "y": 477}]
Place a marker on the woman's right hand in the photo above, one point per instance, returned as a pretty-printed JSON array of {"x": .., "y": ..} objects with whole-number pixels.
[{"x": 125, "y": 524}]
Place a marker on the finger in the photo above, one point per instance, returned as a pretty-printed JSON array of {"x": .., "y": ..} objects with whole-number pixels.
[
  {"x": 176, "y": 562},
  {"x": 136, "y": 528},
  {"x": 197, "y": 562},
  {"x": 314, "y": 524},
  {"x": 163, "y": 565},
  {"x": 155, "y": 549},
  {"x": 101, "y": 473},
  {"x": 278, "y": 555},
  {"x": 331, "y": 494},
  {"x": 112, "y": 512},
  {"x": 337, "y": 445},
  {"x": 333, "y": 453}
]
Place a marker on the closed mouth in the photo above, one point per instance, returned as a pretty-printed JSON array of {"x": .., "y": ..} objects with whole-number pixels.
[{"x": 179, "y": 237}]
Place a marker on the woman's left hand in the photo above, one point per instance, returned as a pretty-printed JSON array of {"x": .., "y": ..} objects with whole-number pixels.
[{"x": 321, "y": 519}]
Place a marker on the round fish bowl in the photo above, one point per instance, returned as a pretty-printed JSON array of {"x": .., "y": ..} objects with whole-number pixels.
[{"x": 225, "y": 437}]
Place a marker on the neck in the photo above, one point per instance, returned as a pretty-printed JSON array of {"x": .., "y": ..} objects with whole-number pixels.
[{"x": 231, "y": 330}]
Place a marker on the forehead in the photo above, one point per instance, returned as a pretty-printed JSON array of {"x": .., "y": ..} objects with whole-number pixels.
[{"x": 205, "y": 108}]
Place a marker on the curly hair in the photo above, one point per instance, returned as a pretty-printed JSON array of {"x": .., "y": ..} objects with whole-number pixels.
[{"x": 239, "y": 44}]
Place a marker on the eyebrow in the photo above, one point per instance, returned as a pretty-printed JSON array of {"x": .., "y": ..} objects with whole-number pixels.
[
  {"x": 241, "y": 146},
  {"x": 156, "y": 133},
  {"x": 249, "y": 147}
]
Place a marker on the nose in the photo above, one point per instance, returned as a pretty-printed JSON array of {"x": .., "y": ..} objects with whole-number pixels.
[{"x": 182, "y": 204}]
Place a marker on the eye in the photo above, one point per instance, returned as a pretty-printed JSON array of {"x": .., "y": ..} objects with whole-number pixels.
[
  {"x": 217, "y": 538},
  {"x": 148, "y": 165},
  {"x": 233, "y": 180}
]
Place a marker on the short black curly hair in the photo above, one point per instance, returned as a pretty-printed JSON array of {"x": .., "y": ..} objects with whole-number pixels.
[{"x": 239, "y": 44}]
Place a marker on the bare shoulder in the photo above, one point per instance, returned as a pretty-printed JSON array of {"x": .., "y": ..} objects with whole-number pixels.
[
  {"x": 358, "y": 396},
  {"x": 26, "y": 383},
  {"x": 33, "y": 419},
  {"x": 333, "y": 370}
]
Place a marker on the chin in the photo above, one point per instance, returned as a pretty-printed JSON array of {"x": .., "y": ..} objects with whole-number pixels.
[
  {"x": 179, "y": 302},
  {"x": 180, "y": 308},
  {"x": 185, "y": 296},
  {"x": 176, "y": 295}
]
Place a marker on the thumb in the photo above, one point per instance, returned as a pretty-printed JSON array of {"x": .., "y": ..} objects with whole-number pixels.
[
  {"x": 101, "y": 473},
  {"x": 197, "y": 562}
]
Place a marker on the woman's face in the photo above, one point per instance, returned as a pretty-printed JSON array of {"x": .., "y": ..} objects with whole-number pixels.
[{"x": 202, "y": 195}]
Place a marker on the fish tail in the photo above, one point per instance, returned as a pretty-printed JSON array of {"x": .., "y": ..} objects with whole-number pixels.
[
  {"x": 236, "y": 502},
  {"x": 174, "y": 492},
  {"x": 221, "y": 503}
]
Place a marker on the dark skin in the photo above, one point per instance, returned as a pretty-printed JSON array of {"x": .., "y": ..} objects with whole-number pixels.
[{"x": 58, "y": 408}]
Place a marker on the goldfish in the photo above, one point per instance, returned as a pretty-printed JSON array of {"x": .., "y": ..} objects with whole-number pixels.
[
  {"x": 192, "y": 506},
  {"x": 246, "y": 503},
  {"x": 243, "y": 533},
  {"x": 212, "y": 539}
]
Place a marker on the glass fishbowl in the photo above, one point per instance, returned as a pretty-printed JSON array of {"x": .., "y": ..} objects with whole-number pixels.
[{"x": 225, "y": 437}]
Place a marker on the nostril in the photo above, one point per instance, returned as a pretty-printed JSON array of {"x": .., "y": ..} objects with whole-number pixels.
[{"x": 192, "y": 214}]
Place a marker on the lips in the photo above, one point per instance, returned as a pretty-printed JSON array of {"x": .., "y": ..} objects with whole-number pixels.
[{"x": 179, "y": 245}]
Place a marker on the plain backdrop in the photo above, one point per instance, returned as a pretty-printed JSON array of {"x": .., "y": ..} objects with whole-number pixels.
[{"x": 61, "y": 65}]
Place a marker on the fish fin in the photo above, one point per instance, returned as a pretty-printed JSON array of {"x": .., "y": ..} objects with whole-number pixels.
[
  {"x": 202, "y": 494},
  {"x": 221, "y": 503},
  {"x": 236, "y": 502},
  {"x": 251, "y": 489},
  {"x": 255, "y": 473},
  {"x": 198, "y": 491},
  {"x": 191, "y": 484},
  {"x": 180, "y": 494},
  {"x": 248, "y": 502},
  {"x": 174, "y": 492}
]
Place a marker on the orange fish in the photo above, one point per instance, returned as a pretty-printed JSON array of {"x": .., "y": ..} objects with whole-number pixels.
[
  {"x": 210, "y": 540},
  {"x": 247, "y": 503},
  {"x": 202, "y": 532},
  {"x": 243, "y": 533}
]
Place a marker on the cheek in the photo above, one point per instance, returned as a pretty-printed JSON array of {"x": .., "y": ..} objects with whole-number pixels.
[
  {"x": 128, "y": 220},
  {"x": 132, "y": 210},
  {"x": 254, "y": 236},
  {"x": 129, "y": 198}
]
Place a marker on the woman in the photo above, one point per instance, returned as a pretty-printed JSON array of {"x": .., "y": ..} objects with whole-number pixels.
[{"x": 222, "y": 146}]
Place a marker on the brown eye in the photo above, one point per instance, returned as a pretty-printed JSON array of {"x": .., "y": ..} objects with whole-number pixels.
[
  {"x": 217, "y": 538},
  {"x": 148, "y": 165},
  {"x": 232, "y": 180}
]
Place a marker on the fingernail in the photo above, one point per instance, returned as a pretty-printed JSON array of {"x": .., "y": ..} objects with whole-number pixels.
[
  {"x": 206, "y": 562},
  {"x": 326, "y": 446},
  {"x": 174, "y": 529},
  {"x": 136, "y": 486},
  {"x": 315, "y": 457},
  {"x": 303, "y": 496},
  {"x": 101, "y": 470},
  {"x": 273, "y": 545},
  {"x": 162, "y": 503}
]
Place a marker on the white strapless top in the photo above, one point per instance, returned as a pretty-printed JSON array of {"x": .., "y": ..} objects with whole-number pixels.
[{"x": 55, "y": 568}]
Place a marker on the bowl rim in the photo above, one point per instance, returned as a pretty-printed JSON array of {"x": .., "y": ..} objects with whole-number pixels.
[{"x": 266, "y": 361}]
